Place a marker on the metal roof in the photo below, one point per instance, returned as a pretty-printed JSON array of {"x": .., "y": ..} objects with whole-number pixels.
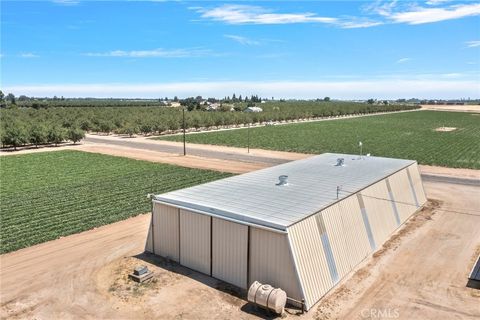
[{"x": 255, "y": 198}]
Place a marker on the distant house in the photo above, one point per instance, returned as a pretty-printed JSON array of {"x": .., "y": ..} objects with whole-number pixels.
[
  {"x": 213, "y": 107},
  {"x": 253, "y": 109}
]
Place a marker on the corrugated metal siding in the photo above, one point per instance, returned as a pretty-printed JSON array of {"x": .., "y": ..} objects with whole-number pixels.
[
  {"x": 148, "y": 245},
  {"x": 229, "y": 252},
  {"x": 417, "y": 183},
  {"x": 195, "y": 241},
  {"x": 379, "y": 210},
  {"x": 366, "y": 223},
  {"x": 355, "y": 234},
  {"x": 332, "y": 217},
  {"x": 347, "y": 234},
  {"x": 271, "y": 262},
  {"x": 403, "y": 195},
  {"x": 166, "y": 236},
  {"x": 343, "y": 225},
  {"x": 310, "y": 258},
  {"x": 392, "y": 202}
]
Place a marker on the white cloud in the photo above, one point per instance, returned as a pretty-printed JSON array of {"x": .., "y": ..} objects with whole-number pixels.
[
  {"x": 436, "y": 2},
  {"x": 403, "y": 60},
  {"x": 356, "y": 23},
  {"x": 155, "y": 53},
  {"x": 248, "y": 14},
  {"x": 390, "y": 12},
  {"x": 355, "y": 89},
  {"x": 421, "y": 15},
  {"x": 66, "y": 2},
  {"x": 452, "y": 75},
  {"x": 473, "y": 44},
  {"x": 242, "y": 40},
  {"x": 28, "y": 55}
]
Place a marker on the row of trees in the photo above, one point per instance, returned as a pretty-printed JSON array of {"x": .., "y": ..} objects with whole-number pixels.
[
  {"x": 18, "y": 133},
  {"x": 34, "y": 102}
]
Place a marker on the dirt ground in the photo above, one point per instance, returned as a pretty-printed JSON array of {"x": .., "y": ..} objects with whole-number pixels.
[
  {"x": 450, "y": 172},
  {"x": 256, "y": 152},
  {"x": 464, "y": 108},
  {"x": 421, "y": 274},
  {"x": 176, "y": 159},
  {"x": 212, "y": 163}
]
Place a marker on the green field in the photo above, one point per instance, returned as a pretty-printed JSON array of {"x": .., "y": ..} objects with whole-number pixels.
[
  {"x": 47, "y": 195},
  {"x": 409, "y": 135},
  {"x": 56, "y": 121}
]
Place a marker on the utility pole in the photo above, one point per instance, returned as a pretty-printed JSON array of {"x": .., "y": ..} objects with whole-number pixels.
[
  {"x": 248, "y": 138},
  {"x": 184, "y": 147}
]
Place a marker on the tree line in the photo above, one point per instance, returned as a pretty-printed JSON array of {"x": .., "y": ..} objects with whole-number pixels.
[{"x": 22, "y": 125}]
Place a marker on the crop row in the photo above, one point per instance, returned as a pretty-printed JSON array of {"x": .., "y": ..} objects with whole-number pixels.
[
  {"x": 408, "y": 135},
  {"x": 72, "y": 191}
]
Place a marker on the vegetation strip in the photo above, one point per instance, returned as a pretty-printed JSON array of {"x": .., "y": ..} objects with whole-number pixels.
[
  {"x": 52, "y": 124},
  {"x": 47, "y": 195}
]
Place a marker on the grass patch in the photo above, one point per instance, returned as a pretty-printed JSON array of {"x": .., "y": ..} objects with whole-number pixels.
[
  {"x": 47, "y": 195},
  {"x": 409, "y": 135}
]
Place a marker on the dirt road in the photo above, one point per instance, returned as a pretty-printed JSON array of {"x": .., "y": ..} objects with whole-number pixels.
[
  {"x": 56, "y": 279},
  {"x": 230, "y": 159},
  {"x": 176, "y": 159},
  {"x": 460, "y": 108},
  {"x": 204, "y": 151},
  {"x": 83, "y": 276}
]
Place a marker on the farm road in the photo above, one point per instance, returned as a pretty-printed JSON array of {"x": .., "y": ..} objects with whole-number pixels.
[
  {"x": 235, "y": 160},
  {"x": 176, "y": 148}
]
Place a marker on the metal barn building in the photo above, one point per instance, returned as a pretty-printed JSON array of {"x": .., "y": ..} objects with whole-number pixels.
[{"x": 302, "y": 236}]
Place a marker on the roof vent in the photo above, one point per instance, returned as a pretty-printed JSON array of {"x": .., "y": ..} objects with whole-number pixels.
[
  {"x": 340, "y": 162},
  {"x": 282, "y": 180}
]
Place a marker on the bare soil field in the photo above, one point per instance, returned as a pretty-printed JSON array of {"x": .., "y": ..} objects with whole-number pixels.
[
  {"x": 176, "y": 159},
  {"x": 255, "y": 152},
  {"x": 450, "y": 172},
  {"x": 421, "y": 273},
  {"x": 445, "y": 129},
  {"x": 464, "y": 108}
]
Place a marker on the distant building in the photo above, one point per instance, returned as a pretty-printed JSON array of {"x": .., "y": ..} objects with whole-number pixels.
[
  {"x": 253, "y": 109},
  {"x": 213, "y": 107}
]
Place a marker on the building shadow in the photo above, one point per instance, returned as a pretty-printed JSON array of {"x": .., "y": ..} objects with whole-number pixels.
[
  {"x": 474, "y": 284},
  {"x": 233, "y": 291},
  {"x": 39, "y": 147}
]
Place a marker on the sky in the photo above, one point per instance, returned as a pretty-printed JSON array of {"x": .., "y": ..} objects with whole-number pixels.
[{"x": 285, "y": 49}]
